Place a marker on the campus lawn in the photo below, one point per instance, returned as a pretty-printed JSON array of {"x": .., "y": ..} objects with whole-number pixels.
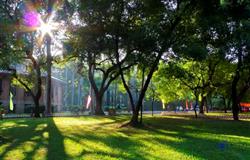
[{"x": 94, "y": 138}]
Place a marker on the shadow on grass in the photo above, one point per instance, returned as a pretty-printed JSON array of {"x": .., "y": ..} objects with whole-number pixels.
[
  {"x": 203, "y": 138},
  {"x": 27, "y": 137},
  {"x": 55, "y": 145},
  {"x": 21, "y": 133},
  {"x": 227, "y": 127},
  {"x": 200, "y": 139},
  {"x": 123, "y": 147}
]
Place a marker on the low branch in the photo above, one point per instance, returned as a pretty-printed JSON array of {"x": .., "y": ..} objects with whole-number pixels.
[{"x": 24, "y": 85}]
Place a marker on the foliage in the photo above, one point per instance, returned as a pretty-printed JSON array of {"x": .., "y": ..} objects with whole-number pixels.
[
  {"x": 75, "y": 109},
  {"x": 170, "y": 88},
  {"x": 117, "y": 107},
  {"x": 10, "y": 49},
  {"x": 1, "y": 109}
]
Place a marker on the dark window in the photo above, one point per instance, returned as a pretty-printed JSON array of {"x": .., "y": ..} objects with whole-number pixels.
[
  {"x": 28, "y": 108},
  {"x": 26, "y": 93}
]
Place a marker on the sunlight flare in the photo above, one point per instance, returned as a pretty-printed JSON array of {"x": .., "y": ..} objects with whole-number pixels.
[{"x": 47, "y": 27}]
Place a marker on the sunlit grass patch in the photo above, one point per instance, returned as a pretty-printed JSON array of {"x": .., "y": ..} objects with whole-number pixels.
[
  {"x": 162, "y": 137},
  {"x": 40, "y": 153}
]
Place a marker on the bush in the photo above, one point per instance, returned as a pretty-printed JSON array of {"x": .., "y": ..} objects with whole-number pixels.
[
  {"x": 122, "y": 107},
  {"x": 107, "y": 108},
  {"x": 32, "y": 108},
  {"x": 1, "y": 111},
  {"x": 42, "y": 109},
  {"x": 1, "y": 107},
  {"x": 28, "y": 109},
  {"x": 118, "y": 108},
  {"x": 75, "y": 109},
  {"x": 112, "y": 112}
]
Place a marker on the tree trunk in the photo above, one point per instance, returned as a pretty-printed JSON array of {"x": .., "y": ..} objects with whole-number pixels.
[
  {"x": 142, "y": 84},
  {"x": 37, "y": 98},
  {"x": 236, "y": 78},
  {"x": 141, "y": 114},
  {"x": 36, "y": 109},
  {"x": 206, "y": 104},
  {"x": 235, "y": 103},
  {"x": 98, "y": 107},
  {"x": 202, "y": 105},
  {"x": 145, "y": 86},
  {"x": 225, "y": 104},
  {"x": 195, "y": 106},
  {"x": 39, "y": 90},
  {"x": 229, "y": 104},
  {"x": 235, "y": 107},
  {"x": 49, "y": 64},
  {"x": 134, "y": 120}
]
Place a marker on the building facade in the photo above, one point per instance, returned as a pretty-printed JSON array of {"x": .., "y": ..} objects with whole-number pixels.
[{"x": 22, "y": 99}]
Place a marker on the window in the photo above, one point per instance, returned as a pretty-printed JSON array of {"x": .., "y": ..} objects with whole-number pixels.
[
  {"x": 26, "y": 93},
  {"x": 28, "y": 108}
]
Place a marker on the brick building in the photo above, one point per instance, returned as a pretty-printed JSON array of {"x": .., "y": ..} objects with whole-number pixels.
[{"x": 22, "y": 100}]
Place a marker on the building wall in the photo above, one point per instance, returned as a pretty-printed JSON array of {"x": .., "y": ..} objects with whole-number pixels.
[
  {"x": 4, "y": 89},
  {"x": 23, "y": 99},
  {"x": 57, "y": 94}
]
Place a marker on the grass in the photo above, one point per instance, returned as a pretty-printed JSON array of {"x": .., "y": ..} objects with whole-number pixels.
[
  {"x": 229, "y": 113},
  {"x": 94, "y": 138}
]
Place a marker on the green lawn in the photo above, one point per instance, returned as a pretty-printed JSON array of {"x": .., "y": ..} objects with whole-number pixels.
[{"x": 94, "y": 138}]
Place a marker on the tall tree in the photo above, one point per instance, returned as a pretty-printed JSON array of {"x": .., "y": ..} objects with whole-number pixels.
[
  {"x": 18, "y": 27},
  {"x": 240, "y": 45},
  {"x": 158, "y": 23},
  {"x": 95, "y": 48},
  {"x": 233, "y": 32}
]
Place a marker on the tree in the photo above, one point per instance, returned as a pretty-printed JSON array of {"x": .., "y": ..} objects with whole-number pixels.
[
  {"x": 225, "y": 72},
  {"x": 10, "y": 51},
  {"x": 170, "y": 89},
  {"x": 21, "y": 46},
  {"x": 32, "y": 82},
  {"x": 153, "y": 42},
  {"x": 48, "y": 13},
  {"x": 22, "y": 24},
  {"x": 201, "y": 77},
  {"x": 233, "y": 31},
  {"x": 95, "y": 47},
  {"x": 231, "y": 26}
]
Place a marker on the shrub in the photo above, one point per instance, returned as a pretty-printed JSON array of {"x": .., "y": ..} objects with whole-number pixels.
[
  {"x": 1, "y": 111},
  {"x": 75, "y": 109}
]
